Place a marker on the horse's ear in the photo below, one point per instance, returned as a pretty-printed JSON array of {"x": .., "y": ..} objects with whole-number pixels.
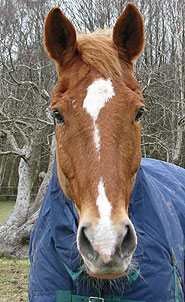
[
  {"x": 128, "y": 33},
  {"x": 59, "y": 37}
]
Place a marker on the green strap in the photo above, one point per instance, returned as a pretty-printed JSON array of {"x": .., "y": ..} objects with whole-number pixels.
[
  {"x": 174, "y": 263},
  {"x": 69, "y": 296},
  {"x": 74, "y": 275},
  {"x": 63, "y": 296},
  {"x": 177, "y": 298},
  {"x": 133, "y": 277}
]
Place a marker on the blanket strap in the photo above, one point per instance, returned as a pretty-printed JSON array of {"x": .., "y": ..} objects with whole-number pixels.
[
  {"x": 174, "y": 263},
  {"x": 177, "y": 298},
  {"x": 69, "y": 296}
]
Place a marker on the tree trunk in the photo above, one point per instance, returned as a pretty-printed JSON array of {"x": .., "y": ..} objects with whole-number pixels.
[
  {"x": 14, "y": 241},
  {"x": 15, "y": 233},
  {"x": 178, "y": 145},
  {"x": 19, "y": 214},
  {"x": 46, "y": 180}
]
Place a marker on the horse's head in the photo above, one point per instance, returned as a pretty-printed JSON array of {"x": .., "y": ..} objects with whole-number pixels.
[{"x": 97, "y": 104}]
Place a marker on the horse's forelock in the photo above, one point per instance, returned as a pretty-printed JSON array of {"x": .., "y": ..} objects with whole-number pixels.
[{"x": 98, "y": 50}]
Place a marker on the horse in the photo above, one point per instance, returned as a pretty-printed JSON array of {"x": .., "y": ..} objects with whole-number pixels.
[{"x": 97, "y": 105}]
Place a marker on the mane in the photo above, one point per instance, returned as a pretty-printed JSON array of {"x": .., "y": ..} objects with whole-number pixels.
[{"x": 98, "y": 51}]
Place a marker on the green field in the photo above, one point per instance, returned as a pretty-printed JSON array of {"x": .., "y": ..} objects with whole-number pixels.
[
  {"x": 13, "y": 273},
  {"x": 6, "y": 208}
]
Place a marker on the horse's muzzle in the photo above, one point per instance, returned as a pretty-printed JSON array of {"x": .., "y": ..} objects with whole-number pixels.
[{"x": 110, "y": 257}]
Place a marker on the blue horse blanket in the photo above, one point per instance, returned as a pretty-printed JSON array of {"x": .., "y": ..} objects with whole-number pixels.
[{"x": 157, "y": 210}]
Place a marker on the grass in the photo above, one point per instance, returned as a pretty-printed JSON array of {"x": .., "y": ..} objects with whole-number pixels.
[
  {"x": 6, "y": 208},
  {"x": 13, "y": 273},
  {"x": 14, "y": 280}
]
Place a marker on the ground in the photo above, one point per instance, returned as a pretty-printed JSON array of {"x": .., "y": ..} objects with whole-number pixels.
[
  {"x": 13, "y": 273},
  {"x": 14, "y": 280}
]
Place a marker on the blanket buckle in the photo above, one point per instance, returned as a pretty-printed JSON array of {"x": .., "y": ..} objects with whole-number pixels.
[{"x": 91, "y": 299}]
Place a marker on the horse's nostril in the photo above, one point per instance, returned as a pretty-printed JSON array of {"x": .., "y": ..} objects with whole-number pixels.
[
  {"x": 92, "y": 250},
  {"x": 129, "y": 242},
  {"x": 84, "y": 244}
]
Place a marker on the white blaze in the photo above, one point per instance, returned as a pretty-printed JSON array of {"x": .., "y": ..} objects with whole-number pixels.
[
  {"x": 96, "y": 137},
  {"x": 105, "y": 234},
  {"x": 98, "y": 94},
  {"x": 102, "y": 202}
]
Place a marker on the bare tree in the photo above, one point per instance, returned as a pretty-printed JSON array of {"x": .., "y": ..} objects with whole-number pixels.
[
  {"x": 161, "y": 72},
  {"x": 26, "y": 78}
]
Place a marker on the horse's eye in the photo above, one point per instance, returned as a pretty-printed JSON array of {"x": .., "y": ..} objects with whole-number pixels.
[
  {"x": 59, "y": 117},
  {"x": 139, "y": 114}
]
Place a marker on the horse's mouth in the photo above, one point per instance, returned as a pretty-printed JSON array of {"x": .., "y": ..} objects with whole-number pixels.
[
  {"x": 107, "y": 276},
  {"x": 112, "y": 270}
]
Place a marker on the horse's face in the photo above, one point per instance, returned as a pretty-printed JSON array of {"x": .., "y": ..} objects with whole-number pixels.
[{"x": 98, "y": 136}]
